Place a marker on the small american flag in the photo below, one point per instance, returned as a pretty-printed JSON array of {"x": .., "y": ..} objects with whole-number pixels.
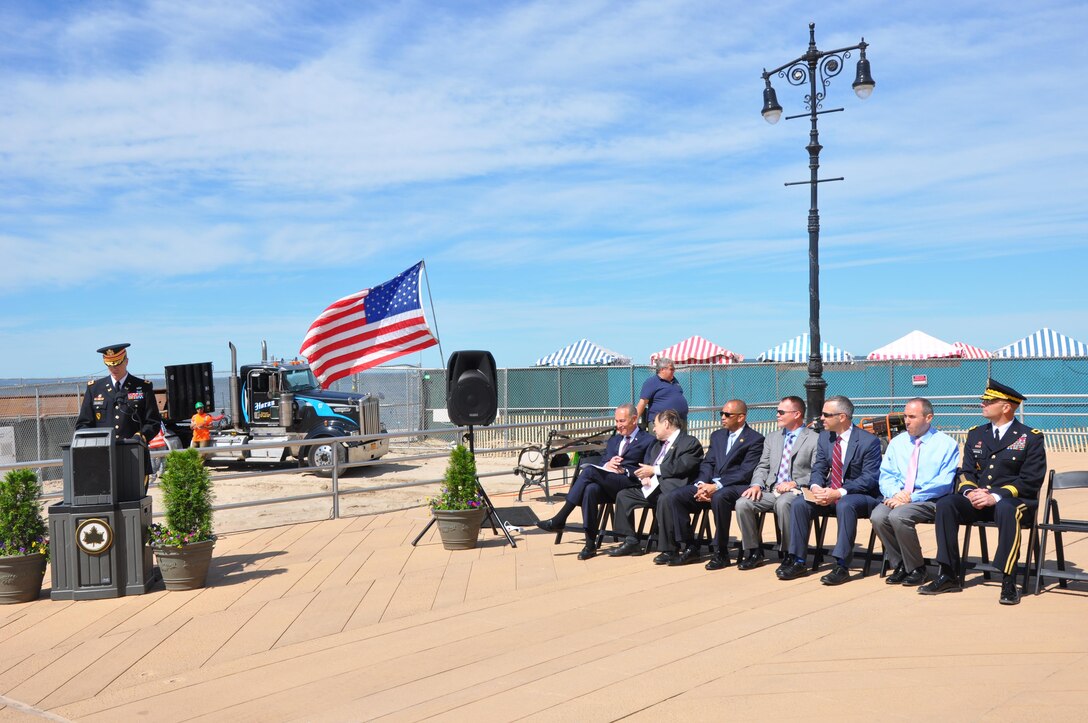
[{"x": 368, "y": 328}]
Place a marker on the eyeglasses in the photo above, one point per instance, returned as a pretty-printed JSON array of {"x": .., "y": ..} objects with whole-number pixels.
[
  {"x": 825, "y": 415},
  {"x": 988, "y": 402},
  {"x": 729, "y": 414},
  {"x": 780, "y": 412}
]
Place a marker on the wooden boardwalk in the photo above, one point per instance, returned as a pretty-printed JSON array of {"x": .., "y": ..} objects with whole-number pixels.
[{"x": 343, "y": 620}]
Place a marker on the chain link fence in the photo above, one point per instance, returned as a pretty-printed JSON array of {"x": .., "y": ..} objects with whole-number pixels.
[{"x": 36, "y": 417}]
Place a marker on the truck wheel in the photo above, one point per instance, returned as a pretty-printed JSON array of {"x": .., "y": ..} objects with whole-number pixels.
[{"x": 321, "y": 455}]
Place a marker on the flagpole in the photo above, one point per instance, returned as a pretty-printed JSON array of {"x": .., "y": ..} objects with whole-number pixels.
[{"x": 434, "y": 316}]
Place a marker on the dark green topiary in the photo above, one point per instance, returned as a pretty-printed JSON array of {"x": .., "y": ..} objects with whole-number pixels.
[
  {"x": 22, "y": 529},
  {"x": 460, "y": 491},
  {"x": 187, "y": 496}
]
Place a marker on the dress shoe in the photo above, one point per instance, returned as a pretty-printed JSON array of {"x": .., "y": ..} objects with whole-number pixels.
[
  {"x": 687, "y": 556},
  {"x": 1010, "y": 594},
  {"x": 837, "y": 576},
  {"x": 627, "y": 548},
  {"x": 717, "y": 563},
  {"x": 898, "y": 576},
  {"x": 590, "y": 550},
  {"x": 751, "y": 561},
  {"x": 551, "y": 525},
  {"x": 793, "y": 571},
  {"x": 782, "y": 566},
  {"x": 941, "y": 584},
  {"x": 664, "y": 558},
  {"x": 916, "y": 577}
]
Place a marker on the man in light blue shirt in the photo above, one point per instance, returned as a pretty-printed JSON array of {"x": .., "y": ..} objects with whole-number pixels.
[{"x": 918, "y": 468}]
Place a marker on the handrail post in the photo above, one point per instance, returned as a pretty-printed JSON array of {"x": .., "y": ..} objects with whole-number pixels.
[{"x": 335, "y": 482}]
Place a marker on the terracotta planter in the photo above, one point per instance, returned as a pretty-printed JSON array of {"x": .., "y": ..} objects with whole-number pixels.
[
  {"x": 21, "y": 578},
  {"x": 185, "y": 568},
  {"x": 459, "y": 529}
]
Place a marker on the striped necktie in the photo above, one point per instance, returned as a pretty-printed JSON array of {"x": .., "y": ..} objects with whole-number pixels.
[
  {"x": 784, "y": 465},
  {"x": 836, "y": 463}
]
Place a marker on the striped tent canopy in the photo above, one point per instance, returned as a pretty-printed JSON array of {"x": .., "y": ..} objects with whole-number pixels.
[
  {"x": 582, "y": 352},
  {"x": 796, "y": 350},
  {"x": 915, "y": 345},
  {"x": 696, "y": 350},
  {"x": 966, "y": 351},
  {"x": 1045, "y": 343}
]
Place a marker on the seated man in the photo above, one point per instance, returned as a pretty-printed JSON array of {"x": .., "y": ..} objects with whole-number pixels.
[
  {"x": 726, "y": 471},
  {"x": 601, "y": 483},
  {"x": 1002, "y": 470},
  {"x": 670, "y": 462},
  {"x": 843, "y": 483},
  {"x": 918, "y": 468},
  {"x": 783, "y": 470}
]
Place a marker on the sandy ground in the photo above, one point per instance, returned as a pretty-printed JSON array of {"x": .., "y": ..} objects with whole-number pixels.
[{"x": 269, "y": 481}]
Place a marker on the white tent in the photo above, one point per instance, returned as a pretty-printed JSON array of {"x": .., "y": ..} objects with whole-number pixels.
[
  {"x": 915, "y": 345},
  {"x": 797, "y": 350},
  {"x": 582, "y": 352},
  {"x": 1044, "y": 343}
]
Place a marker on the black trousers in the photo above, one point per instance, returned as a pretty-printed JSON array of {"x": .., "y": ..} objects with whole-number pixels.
[
  {"x": 683, "y": 504},
  {"x": 1009, "y": 514},
  {"x": 593, "y": 487}
]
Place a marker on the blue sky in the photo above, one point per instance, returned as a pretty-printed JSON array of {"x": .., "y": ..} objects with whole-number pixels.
[{"x": 181, "y": 175}]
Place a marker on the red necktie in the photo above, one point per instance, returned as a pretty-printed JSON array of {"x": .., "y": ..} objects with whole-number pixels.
[{"x": 836, "y": 463}]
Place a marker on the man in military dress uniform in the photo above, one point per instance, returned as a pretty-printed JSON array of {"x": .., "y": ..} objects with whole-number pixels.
[
  {"x": 1003, "y": 467},
  {"x": 121, "y": 401}
]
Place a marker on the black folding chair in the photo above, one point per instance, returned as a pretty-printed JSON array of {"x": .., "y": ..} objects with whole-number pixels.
[{"x": 1053, "y": 522}]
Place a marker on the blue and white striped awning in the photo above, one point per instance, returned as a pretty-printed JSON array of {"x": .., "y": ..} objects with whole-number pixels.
[
  {"x": 583, "y": 352},
  {"x": 1045, "y": 343},
  {"x": 796, "y": 350}
]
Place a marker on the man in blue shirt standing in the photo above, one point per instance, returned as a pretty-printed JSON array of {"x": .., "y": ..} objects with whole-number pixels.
[
  {"x": 918, "y": 468},
  {"x": 661, "y": 391}
]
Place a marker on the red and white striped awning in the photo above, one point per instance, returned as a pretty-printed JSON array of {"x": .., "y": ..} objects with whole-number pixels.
[
  {"x": 696, "y": 350},
  {"x": 915, "y": 345},
  {"x": 966, "y": 351}
]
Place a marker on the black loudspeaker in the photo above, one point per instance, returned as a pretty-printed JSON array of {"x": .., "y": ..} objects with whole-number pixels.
[{"x": 472, "y": 391}]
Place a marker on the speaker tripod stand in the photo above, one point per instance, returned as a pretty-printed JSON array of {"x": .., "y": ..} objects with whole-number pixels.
[{"x": 492, "y": 515}]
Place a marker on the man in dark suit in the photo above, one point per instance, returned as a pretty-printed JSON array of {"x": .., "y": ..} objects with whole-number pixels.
[
  {"x": 1003, "y": 466},
  {"x": 599, "y": 483},
  {"x": 844, "y": 484},
  {"x": 781, "y": 475},
  {"x": 121, "y": 401},
  {"x": 726, "y": 471},
  {"x": 670, "y": 462}
]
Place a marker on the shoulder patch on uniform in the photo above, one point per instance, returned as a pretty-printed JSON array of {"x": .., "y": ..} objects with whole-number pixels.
[
  {"x": 90, "y": 382},
  {"x": 974, "y": 428},
  {"x": 1036, "y": 431}
]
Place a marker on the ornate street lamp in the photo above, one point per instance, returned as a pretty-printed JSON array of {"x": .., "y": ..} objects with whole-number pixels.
[{"x": 799, "y": 71}]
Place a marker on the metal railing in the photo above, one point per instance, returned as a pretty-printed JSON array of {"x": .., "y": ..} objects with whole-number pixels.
[{"x": 339, "y": 467}]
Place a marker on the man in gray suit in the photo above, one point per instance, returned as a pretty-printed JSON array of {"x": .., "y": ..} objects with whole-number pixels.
[
  {"x": 783, "y": 469},
  {"x": 670, "y": 463}
]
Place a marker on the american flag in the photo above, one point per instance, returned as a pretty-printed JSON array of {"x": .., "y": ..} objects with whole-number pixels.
[{"x": 368, "y": 328}]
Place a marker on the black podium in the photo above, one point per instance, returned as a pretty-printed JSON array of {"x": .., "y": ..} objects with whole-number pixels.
[{"x": 98, "y": 532}]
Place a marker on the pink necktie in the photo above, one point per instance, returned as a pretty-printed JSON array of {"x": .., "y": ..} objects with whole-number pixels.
[
  {"x": 661, "y": 455},
  {"x": 623, "y": 444},
  {"x": 912, "y": 470}
]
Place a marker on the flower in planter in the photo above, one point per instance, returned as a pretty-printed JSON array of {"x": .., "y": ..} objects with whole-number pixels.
[
  {"x": 22, "y": 528},
  {"x": 460, "y": 490},
  {"x": 187, "y": 496}
]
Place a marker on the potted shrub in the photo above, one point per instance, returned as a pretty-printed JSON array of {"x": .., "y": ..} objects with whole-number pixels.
[
  {"x": 24, "y": 547},
  {"x": 459, "y": 509},
  {"x": 183, "y": 546}
]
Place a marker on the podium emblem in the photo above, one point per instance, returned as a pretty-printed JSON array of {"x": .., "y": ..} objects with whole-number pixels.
[{"x": 94, "y": 536}]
